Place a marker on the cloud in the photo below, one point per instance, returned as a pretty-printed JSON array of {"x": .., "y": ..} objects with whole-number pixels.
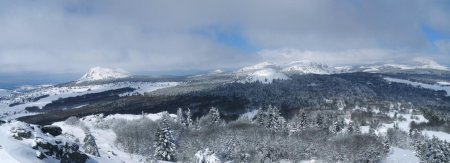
[
  {"x": 163, "y": 35},
  {"x": 349, "y": 57}
]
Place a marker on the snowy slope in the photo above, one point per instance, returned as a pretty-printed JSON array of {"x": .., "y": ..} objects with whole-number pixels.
[
  {"x": 307, "y": 67},
  {"x": 399, "y": 155},
  {"x": 106, "y": 137},
  {"x": 417, "y": 63},
  {"x": 266, "y": 72},
  {"x": 100, "y": 73},
  {"x": 266, "y": 75},
  {"x": 436, "y": 87},
  {"x": 4, "y": 92},
  {"x": 15, "y": 151},
  {"x": 55, "y": 93}
]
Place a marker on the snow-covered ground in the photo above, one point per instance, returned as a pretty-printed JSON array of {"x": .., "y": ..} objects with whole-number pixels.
[
  {"x": 105, "y": 137},
  {"x": 249, "y": 115},
  {"x": 20, "y": 151},
  {"x": 443, "y": 83},
  {"x": 4, "y": 92},
  {"x": 438, "y": 134},
  {"x": 416, "y": 84},
  {"x": 13, "y": 150},
  {"x": 399, "y": 155},
  {"x": 55, "y": 93}
]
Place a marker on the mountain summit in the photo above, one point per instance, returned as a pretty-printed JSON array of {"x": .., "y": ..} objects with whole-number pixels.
[
  {"x": 101, "y": 73},
  {"x": 266, "y": 72}
]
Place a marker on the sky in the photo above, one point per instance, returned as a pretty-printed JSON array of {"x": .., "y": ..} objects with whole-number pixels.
[{"x": 170, "y": 36}]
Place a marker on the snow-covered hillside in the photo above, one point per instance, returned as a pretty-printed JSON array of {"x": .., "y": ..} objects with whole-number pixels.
[
  {"x": 266, "y": 75},
  {"x": 15, "y": 105},
  {"x": 101, "y": 73},
  {"x": 21, "y": 150},
  {"x": 417, "y": 63},
  {"x": 307, "y": 67},
  {"x": 4, "y": 92},
  {"x": 266, "y": 72},
  {"x": 436, "y": 87}
]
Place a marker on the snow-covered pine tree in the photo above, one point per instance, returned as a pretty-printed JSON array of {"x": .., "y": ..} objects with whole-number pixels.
[
  {"x": 303, "y": 120},
  {"x": 337, "y": 125},
  {"x": 212, "y": 119},
  {"x": 433, "y": 150},
  {"x": 215, "y": 116},
  {"x": 261, "y": 117},
  {"x": 189, "y": 122},
  {"x": 350, "y": 128},
  {"x": 164, "y": 142},
  {"x": 357, "y": 128},
  {"x": 340, "y": 124},
  {"x": 386, "y": 145},
  {"x": 180, "y": 117},
  {"x": 372, "y": 131},
  {"x": 90, "y": 146},
  {"x": 196, "y": 124},
  {"x": 274, "y": 119},
  {"x": 300, "y": 121},
  {"x": 320, "y": 123}
]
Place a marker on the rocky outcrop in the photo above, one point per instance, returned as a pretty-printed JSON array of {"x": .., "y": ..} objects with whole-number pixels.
[{"x": 52, "y": 130}]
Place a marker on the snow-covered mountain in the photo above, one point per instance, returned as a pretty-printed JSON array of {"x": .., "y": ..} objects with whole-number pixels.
[
  {"x": 307, "y": 67},
  {"x": 414, "y": 64},
  {"x": 4, "y": 92},
  {"x": 101, "y": 73},
  {"x": 265, "y": 75},
  {"x": 266, "y": 72}
]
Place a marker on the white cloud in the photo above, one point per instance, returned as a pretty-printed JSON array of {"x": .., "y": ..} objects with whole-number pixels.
[
  {"x": 349, "y": 57},
  {"x": 161, "y": 35}
]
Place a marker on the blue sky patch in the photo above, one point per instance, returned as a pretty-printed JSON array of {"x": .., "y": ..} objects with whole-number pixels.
[{"x": 233, "y": 38}]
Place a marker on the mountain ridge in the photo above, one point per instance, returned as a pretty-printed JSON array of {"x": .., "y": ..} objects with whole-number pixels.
[{"x": 101, "y": 73}]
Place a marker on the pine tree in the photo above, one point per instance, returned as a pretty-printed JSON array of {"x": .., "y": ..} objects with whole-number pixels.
[
  {"x": 164, "y": 142},
  {"x": 351, "y": 128},
  {"x": 215, "y": 116},
  {"x": 300, "y": 121},
  {"x": 189, "y": 122},
  {"x": 261, "y": 117},
  {"x": 212, "y": 119},
  {"x": 270, "y": 118},
  {"x": 320, "y": 123},
  {"x": 433, "y": 150},
  {"x": 180, "y": 117},
  {"x": 274, "y": 119},
  {"x": 90, "y": 146},
  {"x": 371, "y": 130},
  {"x": 357, "y": 129},
  {"x": 303, "y": 120},
  {"x": 337, "y": 125},
  {"x": 386, "y": 145}
]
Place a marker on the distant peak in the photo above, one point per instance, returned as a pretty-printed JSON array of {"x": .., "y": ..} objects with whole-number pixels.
[
  {"x": 217, "y": 71},
  {"x": 258, "y": 66},
  {"x": 101, "y": 73},
  {"x": 428, "y": 63}
]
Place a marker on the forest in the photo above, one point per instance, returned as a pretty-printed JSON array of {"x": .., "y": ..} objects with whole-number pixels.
[{"x": 267, "y": 136}]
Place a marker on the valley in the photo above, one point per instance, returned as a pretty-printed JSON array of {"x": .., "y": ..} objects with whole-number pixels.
[{"x": 385, "y": 106}]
